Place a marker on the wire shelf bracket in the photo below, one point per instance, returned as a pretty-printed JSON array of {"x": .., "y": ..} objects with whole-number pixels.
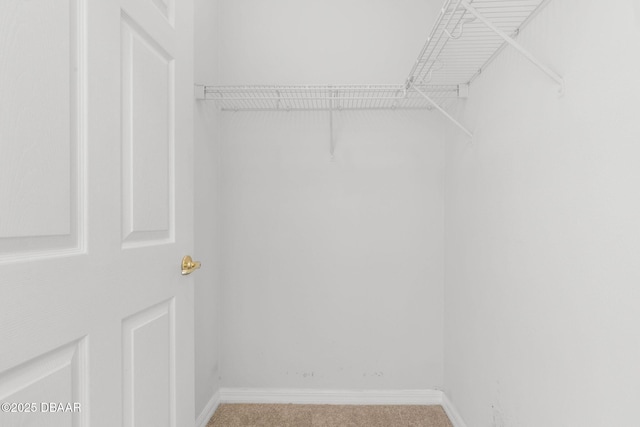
[
  {"x": 444, "y": 112},
  {"x": 548, "y": 71}
]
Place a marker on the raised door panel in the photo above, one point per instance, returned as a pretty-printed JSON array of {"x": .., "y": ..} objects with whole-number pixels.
[
  {"x": 50, "y": 390},
  {"x": 149, "y": 367},
  {"x": 147, "y": 139},
  {"x": 41, "y": 127}
]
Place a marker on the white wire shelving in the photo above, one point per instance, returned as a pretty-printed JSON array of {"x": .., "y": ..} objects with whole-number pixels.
[
  {"x": 327, "y": 98},
  {"x": 468, "y": 35},
  {"x": 466, "y": 38}
]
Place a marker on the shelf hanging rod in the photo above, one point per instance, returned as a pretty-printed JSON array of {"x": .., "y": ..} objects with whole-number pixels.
[
  {"x": 396, "y": 93},
  {"x": 447, "y": 115},
  {"x": 548, "y": 71},
  {"x": 313, "y": 98}
]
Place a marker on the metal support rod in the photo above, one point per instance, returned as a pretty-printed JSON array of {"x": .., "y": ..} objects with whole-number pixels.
[
  {"x": 447, "y": 115},
  {"x": 332, "y": 142},
  {"x": 548, "y": 71}
]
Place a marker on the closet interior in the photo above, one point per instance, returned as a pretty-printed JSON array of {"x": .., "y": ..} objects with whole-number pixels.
[{"x": 464, "y": 245}]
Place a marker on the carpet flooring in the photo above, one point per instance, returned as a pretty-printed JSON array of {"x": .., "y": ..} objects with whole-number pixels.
[{"x": 245, "y": 415}]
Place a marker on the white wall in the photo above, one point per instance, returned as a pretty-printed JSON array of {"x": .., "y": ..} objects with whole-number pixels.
[
  {"x": 542, "y": 295},
  {"x": 322, "y": 41},
  {"x": 208, "y": 246},
  {"x": 333, "y": 270}
]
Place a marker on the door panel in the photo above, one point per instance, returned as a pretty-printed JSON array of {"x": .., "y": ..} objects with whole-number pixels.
[
  {"x": 40, "y": 128},
  {"x": 149, "y": 360},
  {"x": 147, "y": 133},
  {"x": 59, "y": 376}
]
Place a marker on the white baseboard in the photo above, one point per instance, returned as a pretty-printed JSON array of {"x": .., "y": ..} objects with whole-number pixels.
[
  {"x": 452, "y": 412},
  {"x": 331, "y": 397},
  {"x": 208, "y": 410}
]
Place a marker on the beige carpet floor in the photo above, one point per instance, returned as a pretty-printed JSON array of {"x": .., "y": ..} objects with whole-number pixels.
[{"x": 243, "y": 415}]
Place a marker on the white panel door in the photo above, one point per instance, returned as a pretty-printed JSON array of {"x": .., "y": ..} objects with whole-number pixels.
[{"x": 96, "y": 207}]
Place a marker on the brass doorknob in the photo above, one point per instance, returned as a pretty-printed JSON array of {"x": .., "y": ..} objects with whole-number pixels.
[{"x": 189, "y": 265}]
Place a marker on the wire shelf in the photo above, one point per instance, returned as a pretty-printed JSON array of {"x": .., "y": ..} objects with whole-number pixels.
[
  {"x": 465, "y": 39},
  {"x": 460, "y": 45},
  {"x": 321, "y": 98}
]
